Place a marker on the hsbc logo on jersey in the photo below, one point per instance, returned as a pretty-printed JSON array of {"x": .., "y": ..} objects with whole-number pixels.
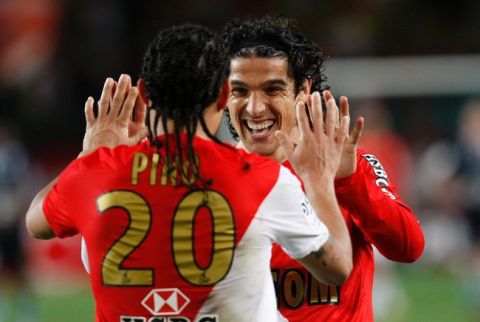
[
  {"x": 202, "y": 318},
  {"x": 165, "y": 301},
  {"x": 382, "y": 178},
  {"x": 165, "y": 304}
]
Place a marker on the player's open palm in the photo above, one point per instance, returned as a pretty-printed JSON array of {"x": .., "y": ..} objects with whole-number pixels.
[
  {"x": 348, "y": 164},
  {"x": 319, "y": 150},
  {"x": 114, "y": 125}
]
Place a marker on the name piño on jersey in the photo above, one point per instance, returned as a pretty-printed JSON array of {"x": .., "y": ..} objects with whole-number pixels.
[
  {"x": 169, "y": 174},
  {"x": 382, "y": 178}
]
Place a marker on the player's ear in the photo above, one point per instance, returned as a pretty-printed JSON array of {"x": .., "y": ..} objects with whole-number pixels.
[
  {"x": 143, "y": 92},
  {"x": 304, "y": 90},
  {"x": 223, "y": 96}
]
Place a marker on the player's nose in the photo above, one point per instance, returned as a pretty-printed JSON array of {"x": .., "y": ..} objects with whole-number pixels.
[{"x": 256, "y": 105}]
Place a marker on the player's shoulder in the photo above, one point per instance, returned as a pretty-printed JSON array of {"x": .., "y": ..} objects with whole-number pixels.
[
  {"x": 105, "y": 157},
  {"x": 234, "y": 155}
]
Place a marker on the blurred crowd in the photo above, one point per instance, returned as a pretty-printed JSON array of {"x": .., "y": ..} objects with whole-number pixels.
[
  {"x": 440, "y": 177},
  {"x": 55, "y": 53}
]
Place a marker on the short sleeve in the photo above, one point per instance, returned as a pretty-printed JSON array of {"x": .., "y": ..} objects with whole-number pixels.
[
  {"x": 55, "y": 206},
  {"x": 290, "y": 220}
]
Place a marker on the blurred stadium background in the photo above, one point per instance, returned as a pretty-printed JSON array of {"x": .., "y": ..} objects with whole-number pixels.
[{"x": 412, "y": 68}]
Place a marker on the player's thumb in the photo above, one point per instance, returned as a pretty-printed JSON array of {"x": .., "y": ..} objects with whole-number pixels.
[
  {"x": 139, "y": 136},
  {"x": 285, "y": 142}
]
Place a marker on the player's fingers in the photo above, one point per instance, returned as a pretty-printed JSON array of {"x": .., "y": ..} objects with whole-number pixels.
[
  {"x": 127, "y": 88},
  {"x": 344, "y": 106},
  {"x": 140, "y": 111},
  {"x": 302, "y": 119},
  {"x": 285, "y": 142},
  {"x": 89, "y": 115},
  {"x": 328, "y": 97},
  {"x": 104, "y": 101},
  {"x": 309, "y": 99},
  {"x": 331, "y": 119},
  {"x": 317, "y": 113},
  {"x": 127, "y": 109},
  {"x": 114, "y": 90},
  {"x": 119, "y": 97},
  {"x": 308, "y": 110},
  {"x": 357, "y": 130},
  {"x": 343, "y": 129}
]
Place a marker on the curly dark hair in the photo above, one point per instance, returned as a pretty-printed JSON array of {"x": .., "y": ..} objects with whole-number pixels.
[
  {"x": 277, "y": 37},
  {"x": 183, "y": 69}
]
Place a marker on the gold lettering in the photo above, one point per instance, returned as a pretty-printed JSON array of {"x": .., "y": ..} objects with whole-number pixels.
[
  {"x": 276, "y": 284},
  {"x": 320, "y": 293},
  {"x": 186, "y": 175},
  {"x": 223, "y": 243},
  {"x": 140, "y": 162},
  {"x": 140, "y": 221},
  {"x": 293, "y": 289},
  {"x": 333, "y": 294},
  {"x": 153, "y": 170},
  {"x": 189, "y": 177},
  {"x": 171, "y": 174}
]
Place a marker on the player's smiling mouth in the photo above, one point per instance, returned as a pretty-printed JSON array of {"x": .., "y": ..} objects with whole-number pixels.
[{"x": 259, "y": 129}]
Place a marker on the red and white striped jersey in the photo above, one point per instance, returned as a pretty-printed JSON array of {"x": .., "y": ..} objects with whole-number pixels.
[
  {"x": 159, "y": 250},
  {"x": 375, "y": 215}
]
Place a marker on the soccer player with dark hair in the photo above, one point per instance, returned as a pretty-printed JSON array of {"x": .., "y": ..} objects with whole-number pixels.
[
  {"x": 180, "y": 226},
  {"x": 273, "y": 67}
]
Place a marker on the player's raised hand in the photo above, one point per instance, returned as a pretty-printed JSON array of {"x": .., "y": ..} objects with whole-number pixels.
[
  {"x": 348, "y": 164},
  {"x": 114, "y": 125},
  {"x": 319, "y": 150}
]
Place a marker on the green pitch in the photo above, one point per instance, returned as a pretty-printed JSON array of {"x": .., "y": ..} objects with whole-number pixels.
[{"x": 433, "y": 295}]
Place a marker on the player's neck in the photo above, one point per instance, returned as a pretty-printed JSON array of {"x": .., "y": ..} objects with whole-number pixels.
[
  {"x": 278, "y": 155},
  {"x": 212, "y": 116}
]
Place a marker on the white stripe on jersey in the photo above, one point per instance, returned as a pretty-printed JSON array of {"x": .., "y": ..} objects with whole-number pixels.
[{"x": 285, "y": 217}]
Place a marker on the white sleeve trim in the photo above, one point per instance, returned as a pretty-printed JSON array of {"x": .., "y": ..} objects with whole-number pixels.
[
  {"x": 84, "y": 256},
  {"x": 289, "y": 218}
]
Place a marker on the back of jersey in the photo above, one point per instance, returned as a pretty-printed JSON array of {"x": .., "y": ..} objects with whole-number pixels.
[{"x": 159, "y": 249}]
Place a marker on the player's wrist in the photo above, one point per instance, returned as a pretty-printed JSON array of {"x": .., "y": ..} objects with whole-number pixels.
[
  {"x": 316, "y": 178},
  {"x": 319, "y": 186}
]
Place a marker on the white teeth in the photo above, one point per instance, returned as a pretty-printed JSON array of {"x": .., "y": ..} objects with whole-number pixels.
[{"x": 259, "y": 126}]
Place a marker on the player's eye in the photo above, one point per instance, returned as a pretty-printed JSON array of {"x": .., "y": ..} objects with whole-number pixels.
[
  {"x": 273, "y": 90},
  {"x": 239, "y": 91}
]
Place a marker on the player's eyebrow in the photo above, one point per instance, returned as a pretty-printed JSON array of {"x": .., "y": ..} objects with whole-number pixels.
[
  {"x": 275, "y": 81},
  {"x": 237, "y": 83}
]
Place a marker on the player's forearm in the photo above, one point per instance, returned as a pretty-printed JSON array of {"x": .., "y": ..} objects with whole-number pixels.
[
  {"x": 335, "y": 257},
  {"x": 321, "y": 194},
  {"x": 330, "y": 264},
  {"x": 381, "y": 215},
  {"x": 36, "y": 222},
  {"x": 393, "y": 228}
]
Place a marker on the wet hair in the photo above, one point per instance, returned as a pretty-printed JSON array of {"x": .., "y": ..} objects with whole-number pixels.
[
  {"x": 277, "y": 37},
  {"x": 183, "y": 70}
]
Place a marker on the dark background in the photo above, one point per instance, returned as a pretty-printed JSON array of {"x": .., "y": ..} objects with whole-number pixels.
[{"x": 56, "y": 53}]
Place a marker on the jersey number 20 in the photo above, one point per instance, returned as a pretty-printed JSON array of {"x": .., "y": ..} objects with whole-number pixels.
[{"x": 140, "y": 220}]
